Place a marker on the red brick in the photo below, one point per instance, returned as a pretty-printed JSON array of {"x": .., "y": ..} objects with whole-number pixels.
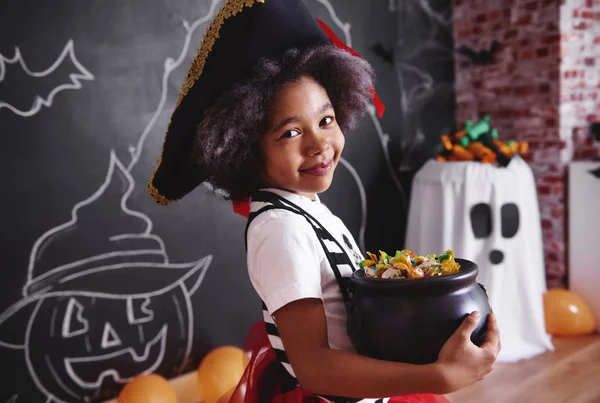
[
  {"x": 525, "y": 42},
  {"x": 521, "y": 113},
  {"x": 542, "y": 52},
  {"x": 532, "y": 6},
  {"x": 524, "y": 20},
  {"x": 553, "y": 179},
  {"x": 551, "y": 39},
  {"x": 503, "y": 90},
  {"x": 495, "y": 14},
  {"x": 581, "y": 26},
  {"x": 513, "y": 33},
  {"x": 544, "y": 88},
  {"x": 552, "y": 255},
  {"x": 544, "y": 190},
  {"x": 589, "y": 153},
  {"x": 546, "y": 224},
  {"x": 587, "y": 15},
  {"x": 481, "y": 18},
  {"x": 525, "y": 89},
  {"x": 526, "y": 55},
  {"x": 551, "y": 27}
]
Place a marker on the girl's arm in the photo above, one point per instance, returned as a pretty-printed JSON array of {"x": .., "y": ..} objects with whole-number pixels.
[{"x": 325, "y": 371}]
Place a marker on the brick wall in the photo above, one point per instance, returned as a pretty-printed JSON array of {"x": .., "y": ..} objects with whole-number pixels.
[
  {"x": 580, "y": 76},
  {"x": 543, "y": 87}
]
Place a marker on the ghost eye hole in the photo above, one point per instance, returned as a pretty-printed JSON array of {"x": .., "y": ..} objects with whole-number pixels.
[
  {"x": 138, "y": 311},
  {"x": 74, "y": 324},
  {"x": 510, "y": 220},
  {"x": 481, "y": 220}
]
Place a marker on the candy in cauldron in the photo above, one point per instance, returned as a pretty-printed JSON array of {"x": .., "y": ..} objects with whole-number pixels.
[{"x": 409, "y": 320}]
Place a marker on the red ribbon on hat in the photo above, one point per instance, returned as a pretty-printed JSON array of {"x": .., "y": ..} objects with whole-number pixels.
[
  {"x": 243, "y": 208},
  {"x": 379, "y": 106}
]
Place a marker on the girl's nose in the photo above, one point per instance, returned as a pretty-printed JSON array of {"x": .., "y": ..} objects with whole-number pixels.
[{"x": 317, "y": 144}]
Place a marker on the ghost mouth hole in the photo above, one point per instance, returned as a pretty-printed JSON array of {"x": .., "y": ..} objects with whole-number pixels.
[{"x": 496, "y": 257}]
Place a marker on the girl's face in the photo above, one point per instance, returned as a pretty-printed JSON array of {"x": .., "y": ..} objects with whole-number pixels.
[{"x": 303, "y": 143}]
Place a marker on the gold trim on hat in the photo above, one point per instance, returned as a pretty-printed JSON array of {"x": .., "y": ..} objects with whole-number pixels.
[{"x": 230, "y": 8}]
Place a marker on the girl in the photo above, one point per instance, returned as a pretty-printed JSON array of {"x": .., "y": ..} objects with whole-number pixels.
[{"x": 262, "y": 116}]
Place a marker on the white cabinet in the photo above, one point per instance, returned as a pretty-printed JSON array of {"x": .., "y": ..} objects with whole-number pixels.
[{"x": 584, "y": 232}]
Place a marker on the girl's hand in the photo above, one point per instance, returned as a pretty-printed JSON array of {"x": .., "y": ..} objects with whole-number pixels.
[{"x": 462, "y": 363}]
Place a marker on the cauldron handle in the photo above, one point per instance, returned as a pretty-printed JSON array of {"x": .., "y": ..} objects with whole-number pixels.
[{"x": 484, "y": 290}]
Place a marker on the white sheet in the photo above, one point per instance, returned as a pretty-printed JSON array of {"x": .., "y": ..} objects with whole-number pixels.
[{"x": 443, "y": 196}]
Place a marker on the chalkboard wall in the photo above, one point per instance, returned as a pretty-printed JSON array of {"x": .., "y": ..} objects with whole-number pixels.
[{"x": 97, "y": 283}]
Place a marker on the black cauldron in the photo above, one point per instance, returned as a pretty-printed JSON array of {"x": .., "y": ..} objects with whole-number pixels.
[{"x": 410, "y": 320}]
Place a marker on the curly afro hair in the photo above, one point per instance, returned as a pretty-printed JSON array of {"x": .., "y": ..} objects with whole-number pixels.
[{"x": 227, "y": 139}]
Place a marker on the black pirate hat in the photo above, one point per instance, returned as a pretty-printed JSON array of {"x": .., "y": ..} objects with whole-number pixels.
[{"x": 240, "y": 34}]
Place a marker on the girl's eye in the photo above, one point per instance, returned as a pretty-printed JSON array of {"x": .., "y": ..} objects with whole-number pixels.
[
  {"x": 290, "y": 133},
  {"x": 327, "y": 120}
]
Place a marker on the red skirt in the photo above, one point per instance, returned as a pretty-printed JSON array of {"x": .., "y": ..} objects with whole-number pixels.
[{"x": 264, "y": 378}]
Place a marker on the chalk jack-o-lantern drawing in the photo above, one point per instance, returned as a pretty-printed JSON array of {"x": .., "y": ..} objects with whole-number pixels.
[
  {"x": 489, "y": 215},
  {"x": 102, "y": 303}
]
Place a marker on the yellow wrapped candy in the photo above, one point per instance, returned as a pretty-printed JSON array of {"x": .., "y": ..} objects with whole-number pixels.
[{"x": 450, "y": 266}]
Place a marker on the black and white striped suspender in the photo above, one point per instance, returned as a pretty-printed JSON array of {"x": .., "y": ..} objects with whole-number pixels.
[{"x": 335, "y": 259}]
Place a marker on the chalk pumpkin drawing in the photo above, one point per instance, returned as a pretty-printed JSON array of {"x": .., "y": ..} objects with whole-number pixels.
[{"x": 95, "y": 325}]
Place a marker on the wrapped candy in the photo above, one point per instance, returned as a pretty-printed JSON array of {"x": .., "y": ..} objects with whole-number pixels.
[
  {"x": 462, "y": 153},
  {"x": 405, "y": 264},
  {"x": 481, "y": 143}
]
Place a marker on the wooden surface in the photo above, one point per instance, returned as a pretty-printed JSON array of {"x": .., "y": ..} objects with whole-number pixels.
[{"x": 570, "y": 374}]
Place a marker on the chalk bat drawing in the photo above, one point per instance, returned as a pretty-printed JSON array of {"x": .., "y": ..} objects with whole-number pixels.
[{"x": 41, "y": 79}]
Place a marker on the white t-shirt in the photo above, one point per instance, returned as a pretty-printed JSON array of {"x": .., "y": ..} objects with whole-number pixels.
[{"x": 286, "y": 262}]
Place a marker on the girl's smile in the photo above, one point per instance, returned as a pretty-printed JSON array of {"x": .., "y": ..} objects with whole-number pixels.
[{"x": 320, "y": 169}]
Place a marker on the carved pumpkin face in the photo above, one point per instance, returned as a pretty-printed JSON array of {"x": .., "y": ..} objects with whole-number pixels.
[{"x": 77, "y": 345}]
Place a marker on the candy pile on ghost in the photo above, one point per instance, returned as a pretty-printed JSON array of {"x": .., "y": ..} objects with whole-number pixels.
[
  {"x": 407, "y": 265},
  {"x": 480, "y": 143}
]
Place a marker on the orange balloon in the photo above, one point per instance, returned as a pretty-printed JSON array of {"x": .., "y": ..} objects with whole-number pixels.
[
  {"x": 225, "y": 398},
  {"x": 151, "y": 388},
  {"x": 567, "y": 314},
  {"x": 220, "y": 371}
]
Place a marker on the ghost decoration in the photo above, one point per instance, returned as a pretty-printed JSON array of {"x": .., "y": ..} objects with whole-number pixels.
[{"x": 488, "y": 215}]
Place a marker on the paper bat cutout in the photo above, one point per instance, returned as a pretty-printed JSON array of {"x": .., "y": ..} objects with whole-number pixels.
[
  {"x": 484, "y": 56},
  {"x": 385, "y": 54},
  {"x": 596, "y": 172},
  {"x": 24, "y": 91}
]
